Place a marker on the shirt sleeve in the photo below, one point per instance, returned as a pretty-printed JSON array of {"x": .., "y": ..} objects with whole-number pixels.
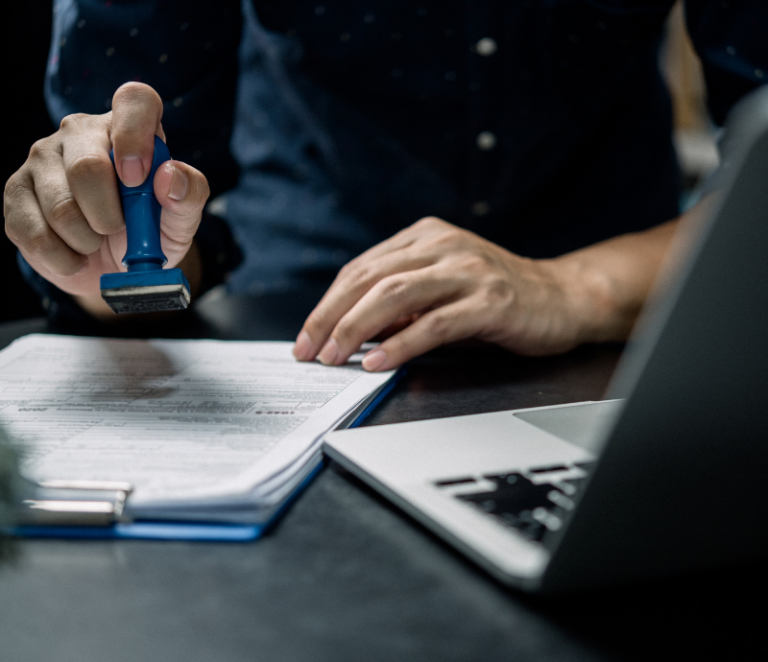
[
  {"x": 187, "y": 51},
  {"x": 731, "y": 38}
]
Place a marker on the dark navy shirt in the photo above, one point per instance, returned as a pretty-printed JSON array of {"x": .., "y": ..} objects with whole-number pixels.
[{"x": 542, "y": 125}]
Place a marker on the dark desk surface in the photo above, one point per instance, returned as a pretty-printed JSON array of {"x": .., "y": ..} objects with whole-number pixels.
[{"x": 345, "y": 576}]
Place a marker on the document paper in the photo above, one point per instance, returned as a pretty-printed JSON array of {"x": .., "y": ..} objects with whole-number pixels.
[{"x": 198, "y": 427}]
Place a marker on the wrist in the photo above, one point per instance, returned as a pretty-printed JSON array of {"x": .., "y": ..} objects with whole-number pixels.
[
  {"x": 607, "y": 284},
  {"x": 593, "y": 307}
]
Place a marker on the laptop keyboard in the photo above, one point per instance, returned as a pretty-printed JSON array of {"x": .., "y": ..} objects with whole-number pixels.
[{"x": 532, "y": 502}]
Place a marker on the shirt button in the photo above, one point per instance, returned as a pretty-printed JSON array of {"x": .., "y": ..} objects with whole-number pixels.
[
  {"x": 486, "y": 140},
  {"x": 486, "y": 46},
  {"x": 480, "y": 208}
]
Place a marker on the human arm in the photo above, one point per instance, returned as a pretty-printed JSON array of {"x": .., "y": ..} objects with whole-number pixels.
[{"x": 445, "y": 284}]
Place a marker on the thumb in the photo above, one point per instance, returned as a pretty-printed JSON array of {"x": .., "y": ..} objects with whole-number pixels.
[
  {"x": 182, "y": 192},
  {"x": 136, "y": 113}
]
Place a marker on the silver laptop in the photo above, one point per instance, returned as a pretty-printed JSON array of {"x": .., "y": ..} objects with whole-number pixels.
[{"x": 668, "y": 475}]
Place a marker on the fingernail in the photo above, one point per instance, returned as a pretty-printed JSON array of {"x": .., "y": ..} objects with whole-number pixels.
[
  {"x": 179, "y": 184},
  {"x": 374, "y": 359},
  {"x": 329, "y": 352},
  {"x": 132, "y": 170},
  {"x": 302, "y": 350}
]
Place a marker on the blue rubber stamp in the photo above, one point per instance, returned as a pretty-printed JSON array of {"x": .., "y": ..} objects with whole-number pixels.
[{"x": 146, "y": 287}]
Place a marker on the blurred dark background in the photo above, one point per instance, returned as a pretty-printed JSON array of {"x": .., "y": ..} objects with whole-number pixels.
[{"x": 26, "y": 37}]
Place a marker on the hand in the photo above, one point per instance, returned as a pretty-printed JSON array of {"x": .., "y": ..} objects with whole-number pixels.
[
  {"x": 62, "y": 208},
  {"x": 445, "y": 284}
]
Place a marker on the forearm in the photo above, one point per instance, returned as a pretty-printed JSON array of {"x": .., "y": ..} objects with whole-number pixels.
[{"x": 608, "y": 283}]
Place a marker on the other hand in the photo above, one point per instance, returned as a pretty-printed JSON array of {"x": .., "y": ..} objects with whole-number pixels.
[
  {"x": 444, "y": 284},
  {"x": 62, "y": 208}
]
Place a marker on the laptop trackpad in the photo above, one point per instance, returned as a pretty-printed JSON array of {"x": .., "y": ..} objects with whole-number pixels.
[{"x": 583, "y": 425}]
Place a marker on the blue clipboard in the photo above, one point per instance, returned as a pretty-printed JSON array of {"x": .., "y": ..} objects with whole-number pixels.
[{"x": 193, "y": 531}]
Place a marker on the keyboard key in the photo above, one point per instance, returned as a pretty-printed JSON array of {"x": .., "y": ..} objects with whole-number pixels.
[{"x": 514, "y": 502}]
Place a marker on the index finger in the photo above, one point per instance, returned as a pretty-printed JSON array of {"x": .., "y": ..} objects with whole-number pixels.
[
  {"x": 350, "y": 286},
  {"x": 136, "y": 113},
  {"x": 91, "y": 177}
]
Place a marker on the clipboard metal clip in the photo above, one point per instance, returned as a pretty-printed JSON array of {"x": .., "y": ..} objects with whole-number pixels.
[{"x": 74, "y": 503}]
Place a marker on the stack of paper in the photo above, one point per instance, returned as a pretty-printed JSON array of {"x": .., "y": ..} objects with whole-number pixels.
[{"x": 215, "y": 431}]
